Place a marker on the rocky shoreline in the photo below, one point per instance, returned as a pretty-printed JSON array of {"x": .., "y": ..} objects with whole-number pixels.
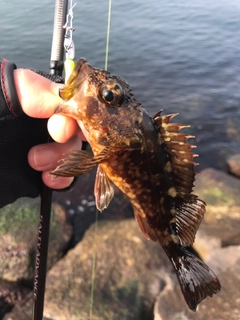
[{"x": 133, "y": 277}]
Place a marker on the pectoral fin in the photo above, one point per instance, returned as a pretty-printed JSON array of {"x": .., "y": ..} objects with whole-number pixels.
[
  {"x": 79, "y": 162},
  {"x": 103, "y": 190}
]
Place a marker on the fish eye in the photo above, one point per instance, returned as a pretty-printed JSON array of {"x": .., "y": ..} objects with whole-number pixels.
[
  {"x": 108, "y": 95},
  {"x": 111, "y": 93}
]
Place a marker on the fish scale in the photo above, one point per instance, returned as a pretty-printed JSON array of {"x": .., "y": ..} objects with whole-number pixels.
[{"x": 148, "y": 159}]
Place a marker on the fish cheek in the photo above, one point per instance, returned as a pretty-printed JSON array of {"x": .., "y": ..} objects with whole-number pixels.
[{"x": 92, "y": 108}]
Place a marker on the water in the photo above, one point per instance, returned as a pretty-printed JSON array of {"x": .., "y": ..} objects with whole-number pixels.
[{"x": 180, "y": 55}]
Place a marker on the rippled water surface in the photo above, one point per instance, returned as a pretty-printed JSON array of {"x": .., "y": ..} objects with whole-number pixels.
[{"x": 181, "y": 56}]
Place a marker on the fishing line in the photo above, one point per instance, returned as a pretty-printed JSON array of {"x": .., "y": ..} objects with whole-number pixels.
[
  {"x": 93, "y": 265},
  {"x": 96, "y": 216},
  {"x": 108, "y": 33}
]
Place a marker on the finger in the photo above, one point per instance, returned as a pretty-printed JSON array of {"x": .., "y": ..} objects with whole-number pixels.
[
  {"x": 45, "y": 157},
  {"x": 81, "y": 136},
  {"x": 54, "y": 182},
  {"x": 62, "y": 128},
  {"x": 44, "y": 103},
  {"x": 37, "y": 95}
]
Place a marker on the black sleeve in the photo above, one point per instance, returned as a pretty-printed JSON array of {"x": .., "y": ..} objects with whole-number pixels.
[{"x": 18, "y": 133}]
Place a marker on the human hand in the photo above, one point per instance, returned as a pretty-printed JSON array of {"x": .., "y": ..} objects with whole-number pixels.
[{"x": 39, "y": 98}]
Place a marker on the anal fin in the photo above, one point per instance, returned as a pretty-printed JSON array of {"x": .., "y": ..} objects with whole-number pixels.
[{"x": 145, "y": 228}]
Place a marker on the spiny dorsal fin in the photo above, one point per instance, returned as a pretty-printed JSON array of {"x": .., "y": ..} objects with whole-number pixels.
[{"x": 181, "y": 157}]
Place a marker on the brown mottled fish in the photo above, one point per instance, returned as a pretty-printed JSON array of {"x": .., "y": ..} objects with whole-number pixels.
[{"x": 148, "y": 159}]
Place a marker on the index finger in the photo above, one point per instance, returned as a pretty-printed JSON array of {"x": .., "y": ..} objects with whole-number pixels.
[{"x": 37, "y": 95}]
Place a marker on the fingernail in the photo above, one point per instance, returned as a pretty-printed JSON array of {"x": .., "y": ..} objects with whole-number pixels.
[{"x": 43, "y": 158}]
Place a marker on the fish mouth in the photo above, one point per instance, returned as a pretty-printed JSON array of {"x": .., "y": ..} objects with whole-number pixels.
[
  {"x": 80, "y": 89},
  {"x": 74, "y": 87},
  {"x": 76, "y": 79}
]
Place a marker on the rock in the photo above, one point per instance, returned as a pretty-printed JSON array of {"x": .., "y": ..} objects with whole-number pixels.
[
  {"x": 223, "y": 306},
  {"x": 10, "y": 294},
  {"x": 18, "y": 238},
  {"x": 79, "y": 201},
  {"x": 233, "y": 163},
  {"x": 129, "y": 273},
  {"x": 221, "y": 224}
]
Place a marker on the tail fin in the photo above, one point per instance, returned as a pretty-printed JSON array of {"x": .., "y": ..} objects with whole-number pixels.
[{"x": 196, "y": 279}]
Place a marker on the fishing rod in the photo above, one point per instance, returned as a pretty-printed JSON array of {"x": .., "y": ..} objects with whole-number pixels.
[
  {"x": 59, "y": 43},
  {"x": 56, "y": 68}
]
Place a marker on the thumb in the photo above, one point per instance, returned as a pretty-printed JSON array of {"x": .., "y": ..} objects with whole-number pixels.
[{"x": 38, "y": 96}]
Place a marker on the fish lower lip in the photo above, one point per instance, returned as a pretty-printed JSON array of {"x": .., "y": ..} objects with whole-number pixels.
[
  {"x": 60, "y": 109},
  {"x": 66, "y": 110}
]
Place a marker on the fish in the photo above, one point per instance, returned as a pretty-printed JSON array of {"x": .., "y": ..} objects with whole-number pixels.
[{"x": 148, "y": 159}]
